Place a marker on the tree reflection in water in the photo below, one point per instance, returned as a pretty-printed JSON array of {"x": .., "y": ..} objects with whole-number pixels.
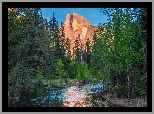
[{"x": 75, "y": 97}]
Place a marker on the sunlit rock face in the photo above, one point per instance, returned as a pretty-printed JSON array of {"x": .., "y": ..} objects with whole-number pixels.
[
  {"x": 76, "y": 26},
  {"x": 74, "y": 97}
]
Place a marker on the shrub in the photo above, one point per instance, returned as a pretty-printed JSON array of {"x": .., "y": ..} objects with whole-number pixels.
[
  {"x": 83, "y": 73},
  {"x": 69, "y": 84}
]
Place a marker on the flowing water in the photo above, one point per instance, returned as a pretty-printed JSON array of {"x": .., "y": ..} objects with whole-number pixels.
[{"x": 75, "y": 96}]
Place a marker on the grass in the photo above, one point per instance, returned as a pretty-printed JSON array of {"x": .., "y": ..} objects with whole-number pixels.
[
  {"x": 48, "y": 83},
  {"x": 54, "y": 82}
]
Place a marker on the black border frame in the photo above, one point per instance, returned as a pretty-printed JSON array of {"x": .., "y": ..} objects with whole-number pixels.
[{"x": 6, "y": 5}]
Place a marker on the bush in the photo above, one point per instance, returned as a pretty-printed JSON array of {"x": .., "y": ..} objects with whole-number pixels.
[
  {"x": 59, "y": 68},
  {"x": 83, "y": 73},
  {"x": 143, "y": 93},
  {"x": 69, "y": 84}
]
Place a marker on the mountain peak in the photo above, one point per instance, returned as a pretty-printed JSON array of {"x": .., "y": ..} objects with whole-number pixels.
[{"x": 76, "y": 26}]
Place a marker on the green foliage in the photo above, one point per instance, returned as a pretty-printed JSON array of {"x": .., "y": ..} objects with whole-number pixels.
[
  {"x": 102, "y": 74},
  {"x": 14, "y": 30},
  {"x": 56, "y": 77},
  {"x": 68, "y": 67},
  {"x": 29, "y": 56},
  {"x": 14, "y": 39},
  {"x": 119, "y": 58},
  {"x": 39, "y": 77},
  {"x": 69, "y": 84},
  {"x": 59, "y": 68},
  {"x": 143, "y": 93},
  {"x": 31, "y": 91},
  {"x": 116, "y": 87},
  {"x": 94, "y": 80},
  {"x": 19, "y": 79},
  {"x": 82, "y": 72}
]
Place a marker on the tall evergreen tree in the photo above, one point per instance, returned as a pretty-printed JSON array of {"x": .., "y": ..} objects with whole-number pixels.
[
  {"x": 14, "y": 37},
  {"x": 119, "y": 54}
]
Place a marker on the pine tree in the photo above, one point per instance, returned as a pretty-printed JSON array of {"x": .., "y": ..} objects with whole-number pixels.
[{"x": 14, "y": 38}]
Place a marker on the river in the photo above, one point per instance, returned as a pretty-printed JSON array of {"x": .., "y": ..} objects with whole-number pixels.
[{"x": 76, "y": 96}]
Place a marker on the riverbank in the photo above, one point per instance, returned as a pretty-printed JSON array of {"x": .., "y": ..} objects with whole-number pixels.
[
  {"x": 125, "y": 102},
  {"x": 103, "y": 97},
  {"x": 57, "y": 83}
]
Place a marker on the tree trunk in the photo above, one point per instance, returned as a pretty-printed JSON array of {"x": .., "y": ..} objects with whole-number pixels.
[
  {"x": 128, "y": 83},
  {"x": 65, "y": 78},
  {"x": 116, "y": 71},
  {"x": 109, "y": 84},
  {"x": 59, "y": 80},
  {"x": 116, "y": 65}
]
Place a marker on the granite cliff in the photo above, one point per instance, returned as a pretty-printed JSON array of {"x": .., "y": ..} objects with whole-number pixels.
[{"x": 76, "y": 26}]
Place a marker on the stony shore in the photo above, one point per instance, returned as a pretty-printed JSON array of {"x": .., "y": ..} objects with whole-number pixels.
[{"x": 125, "y": 102}]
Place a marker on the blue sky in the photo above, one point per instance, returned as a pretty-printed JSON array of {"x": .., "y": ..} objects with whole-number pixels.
[{"x": 93, "y": 15}]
